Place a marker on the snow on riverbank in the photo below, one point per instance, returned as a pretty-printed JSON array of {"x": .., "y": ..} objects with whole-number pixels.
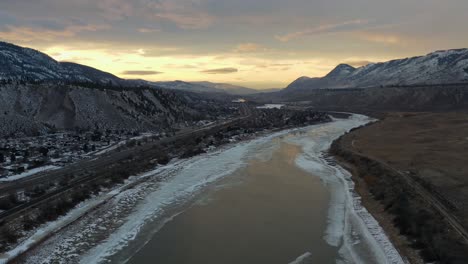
[
  {"x": 185, "y": 179},
  {"x": 350, "y": 226}
]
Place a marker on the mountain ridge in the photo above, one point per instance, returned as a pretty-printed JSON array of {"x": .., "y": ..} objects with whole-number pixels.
[{"x": 438, "y": 67}]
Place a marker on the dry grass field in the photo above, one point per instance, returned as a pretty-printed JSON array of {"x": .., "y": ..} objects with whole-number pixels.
[
  {"x": 432, "y": 146},
  {"x": 411, "y": 170}
]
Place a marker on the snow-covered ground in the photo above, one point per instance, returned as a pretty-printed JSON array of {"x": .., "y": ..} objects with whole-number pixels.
[
  {"x": 97, "y": 237},
  {"x": 271, "y": 106},
  {"x": 122, "y": 143},
  {"x": 29, "y": 173}
]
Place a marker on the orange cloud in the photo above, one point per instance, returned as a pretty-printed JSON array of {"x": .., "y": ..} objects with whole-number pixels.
[
  {"x": 248, "y": 48},
  {"x": 28, "y": 34}
]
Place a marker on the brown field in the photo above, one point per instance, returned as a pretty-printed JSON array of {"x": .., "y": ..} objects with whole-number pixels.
[
  {"x": 422, "y": 158},
  {"x": 433, "y": 146}
]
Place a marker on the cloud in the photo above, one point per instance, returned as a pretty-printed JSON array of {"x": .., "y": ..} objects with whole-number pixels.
[
  {"x": 185, "y": 14},
  {"x": 141, "y": 72},
  {"x": 248, "y": 48},
  {"x": 28, "y": 34},
  {"x": 187, "y": 21},
  {"x": 149, "y": 30},
  {"x": 178, "y": 66},
  {"x": 116, "y": 9},
  {"x": 326, "y": 28},
  {"x": 221, "y": 71},
  {"x": 358, "y": 63},
  {"x": 380, "y": 38},
  {"x": 160, "y": 51}
]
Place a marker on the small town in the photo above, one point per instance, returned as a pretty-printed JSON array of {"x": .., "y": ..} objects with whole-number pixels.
[{"x": 22, "y": 157}]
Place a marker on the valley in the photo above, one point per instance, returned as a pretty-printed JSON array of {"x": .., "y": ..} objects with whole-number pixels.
[{"x": 77, "y": 141}]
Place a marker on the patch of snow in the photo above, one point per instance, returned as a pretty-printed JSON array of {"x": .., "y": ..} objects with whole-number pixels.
[
  {"x": 29, "y": 173},
  {"x": 271, "y": 106},
  {"x": 350, "y": 226},
  {"x": 122, "y": 143},
  {"x": 52, "y": 227},
  {"x": 302, "y": 258}
]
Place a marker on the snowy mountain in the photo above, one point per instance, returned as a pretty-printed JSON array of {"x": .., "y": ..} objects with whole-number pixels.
[
  {"x": 39, "y": 94},
  {"x": 18, "y": 63},
  {"x": 440, "y": 67}
]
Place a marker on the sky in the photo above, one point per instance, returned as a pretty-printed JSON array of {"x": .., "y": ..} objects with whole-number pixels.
[{"x": 254, "y": 43}]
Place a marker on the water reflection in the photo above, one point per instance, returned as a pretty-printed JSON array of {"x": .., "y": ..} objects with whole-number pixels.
[{"x": 269, "y": 212}]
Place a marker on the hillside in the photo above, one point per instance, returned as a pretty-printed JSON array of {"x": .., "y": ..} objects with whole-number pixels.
[{"x": 33, "y": 109}]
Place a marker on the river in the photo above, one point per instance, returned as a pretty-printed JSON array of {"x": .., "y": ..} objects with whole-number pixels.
[{"x": 275, "y": 199}]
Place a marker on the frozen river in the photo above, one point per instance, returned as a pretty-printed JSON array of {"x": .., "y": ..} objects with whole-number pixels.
[{"x": 274, "y": 199}]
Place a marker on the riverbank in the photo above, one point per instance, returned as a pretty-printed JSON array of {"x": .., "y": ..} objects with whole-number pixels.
[
  {"x": 409, "y": 168},
  {"x": 377, "y": 210}
]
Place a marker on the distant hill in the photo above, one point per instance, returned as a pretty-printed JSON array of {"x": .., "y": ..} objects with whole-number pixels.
[
  {"x": 440, "y": 67},
  {"x": 205, "y": 87},
  {"x": 186, "y": 86},
  {"x": 229, "y": 88}
]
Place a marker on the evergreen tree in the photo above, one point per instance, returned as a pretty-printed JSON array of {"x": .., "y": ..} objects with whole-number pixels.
[{"x": 44, "y": 151}]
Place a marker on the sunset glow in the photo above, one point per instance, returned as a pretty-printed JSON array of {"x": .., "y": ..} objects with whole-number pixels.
[{"x": 260, "y": 44}]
